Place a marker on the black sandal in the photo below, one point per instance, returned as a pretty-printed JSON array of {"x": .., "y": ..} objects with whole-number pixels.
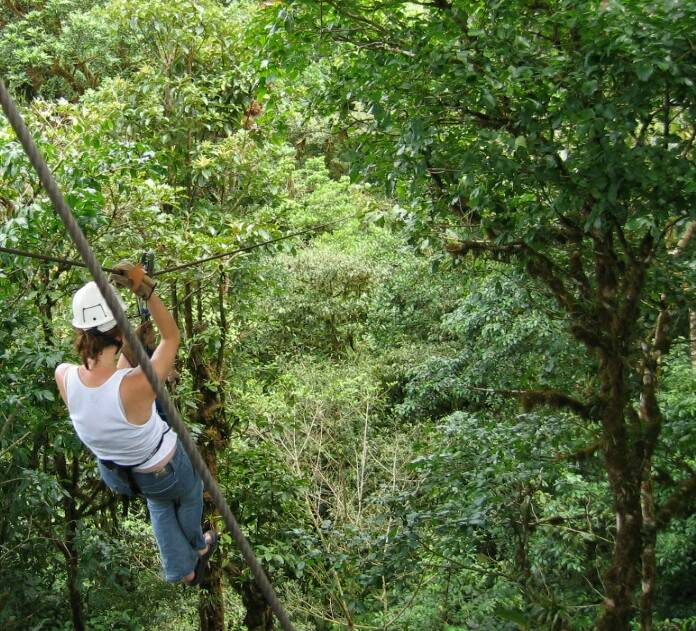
[
  {"x": 212, "y": 544},
  {"x": 200, "y": 573},
  {"x": 202, "y": 569}
]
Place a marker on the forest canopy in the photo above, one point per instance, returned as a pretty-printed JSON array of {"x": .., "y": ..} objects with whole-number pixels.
[{"x": 459, "y": 395}]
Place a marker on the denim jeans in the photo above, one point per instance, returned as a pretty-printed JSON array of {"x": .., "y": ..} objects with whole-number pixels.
[{"x": 174, "y": 498}]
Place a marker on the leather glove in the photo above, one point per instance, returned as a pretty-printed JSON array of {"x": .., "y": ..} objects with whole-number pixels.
[
  {"x": 146, "y": 334},
  {"x": 134, "y": 278}
]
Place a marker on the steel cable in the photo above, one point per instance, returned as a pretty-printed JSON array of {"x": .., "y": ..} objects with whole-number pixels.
[
  {"x": 50, "y": 259},
  {"x": 176, "y": 268}
]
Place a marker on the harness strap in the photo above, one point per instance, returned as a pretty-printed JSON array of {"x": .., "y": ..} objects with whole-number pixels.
[{"x": 127, "y": 470}]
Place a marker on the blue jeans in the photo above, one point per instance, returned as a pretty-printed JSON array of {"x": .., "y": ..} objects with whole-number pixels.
[{"x": 175, "y": 500}]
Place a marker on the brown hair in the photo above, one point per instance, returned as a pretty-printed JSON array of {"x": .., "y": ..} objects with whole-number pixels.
[{"x": 89, "y": 344}]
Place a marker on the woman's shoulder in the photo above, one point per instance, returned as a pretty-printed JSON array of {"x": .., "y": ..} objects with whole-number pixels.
[
  {"x": 60, "y": 374},
  {"x": 133, "y": 380},
  {"x": 61, "y": 369}
]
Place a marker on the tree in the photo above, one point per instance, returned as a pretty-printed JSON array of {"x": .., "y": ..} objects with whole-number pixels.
[
  {"x": 172, "y": 123},
  {"x": 557, "y": 138},
  {"x": 55, "y": 48}
]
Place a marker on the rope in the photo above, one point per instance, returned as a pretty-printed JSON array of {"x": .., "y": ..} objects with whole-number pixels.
[
  {"x": 176, "y": 268},
  {"x": 56, "y": 197},
  {"x": 52, "y": 259},
  {"x": 246, "y": 248}
]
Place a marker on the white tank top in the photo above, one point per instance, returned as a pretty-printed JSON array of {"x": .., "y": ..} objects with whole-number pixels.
[{"x": 100, "y": 422}]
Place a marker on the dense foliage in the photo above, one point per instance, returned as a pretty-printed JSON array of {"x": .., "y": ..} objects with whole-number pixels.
[{"x": 412, "y": 438}]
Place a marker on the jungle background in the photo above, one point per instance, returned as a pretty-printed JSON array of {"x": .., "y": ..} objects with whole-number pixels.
[{"x": 463, "y": 399}]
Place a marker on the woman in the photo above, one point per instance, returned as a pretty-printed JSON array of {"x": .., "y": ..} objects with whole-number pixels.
[{"x": 112, "y": 408}]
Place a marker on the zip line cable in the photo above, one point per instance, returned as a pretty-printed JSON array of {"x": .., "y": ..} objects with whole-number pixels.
[
  {"x": 253, "y": 246},
  {"x": 50, "y": 186},
  {"x": 176, "y": 268},
  {"x": 43, "y": 257}
]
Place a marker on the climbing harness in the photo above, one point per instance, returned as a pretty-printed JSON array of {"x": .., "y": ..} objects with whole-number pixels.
[
  {"x": 50, "y": 186},
  {"x": 126, "y": 471},
  {"x": 147, "y": 260}
]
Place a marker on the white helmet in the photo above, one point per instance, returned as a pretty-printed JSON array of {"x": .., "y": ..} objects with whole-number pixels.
[{"x": 90, "y": 309}]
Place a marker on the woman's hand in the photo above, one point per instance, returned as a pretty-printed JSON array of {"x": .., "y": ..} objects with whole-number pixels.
[{"x": 134, "y": 278}]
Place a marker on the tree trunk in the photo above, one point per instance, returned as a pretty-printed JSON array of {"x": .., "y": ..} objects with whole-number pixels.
[
  {"x": 649, "y": 563},
  {"x": 67, "y": 546},
  {"x": 650, "y": 416},
  {"x": 210, "y": 414},
  {"x": 521, "y": 528},
  {"x": 259, "y": 616},
  {"x": 69, "y": 480},
  {"x": 211, "y": 608},
  {"x": 622, "y": 576},
  {"x": 71, "y": 563},
  {"x": 678, "y": 251},
  {"x": 692, "y": 336}
]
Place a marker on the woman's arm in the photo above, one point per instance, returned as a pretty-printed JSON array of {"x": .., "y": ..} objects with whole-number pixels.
[
  {"x": 137, "y": 394},
  {"x": 61, "y": 369},
  {"x": 163, "y": 358}
]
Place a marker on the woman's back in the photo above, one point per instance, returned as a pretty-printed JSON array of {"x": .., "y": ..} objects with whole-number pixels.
[{"x": 98, "y": 416}]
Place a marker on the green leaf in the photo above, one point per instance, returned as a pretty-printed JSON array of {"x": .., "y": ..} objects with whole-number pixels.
[
  {"x": 513, "y": 615},
  {"x": 644, "y": 70}
]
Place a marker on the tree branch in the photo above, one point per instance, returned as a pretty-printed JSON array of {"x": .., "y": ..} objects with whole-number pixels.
[
  {"x": 559, "y": 400},
  {"x": 97, "y": 508},
  {"x": 14, "y": 8},
  {"x": 583, "y": 327},
  {"x": 649, "y": 411},
  {"x": 356, "y": 18},
  {"x": 462, "y": 248},
  {"x": 580, "y": 455},
  {"x": 552, "y": 398},
  {"x": 685, "y": 239},
  {"x": 679, "y": 504},
  {"x": 222, "y": 322}
]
